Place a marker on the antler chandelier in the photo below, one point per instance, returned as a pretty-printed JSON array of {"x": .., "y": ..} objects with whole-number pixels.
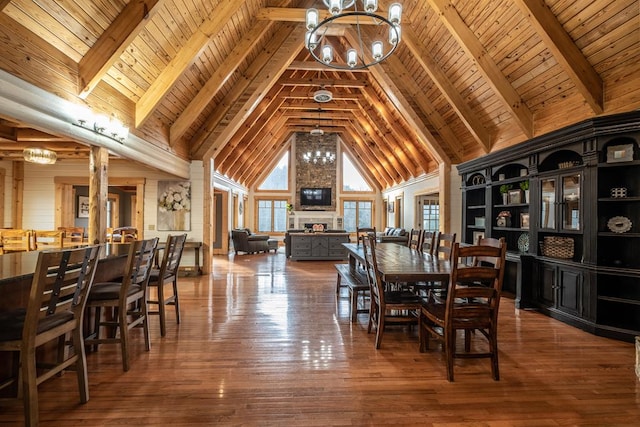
[{"x": 356, "y": 57}]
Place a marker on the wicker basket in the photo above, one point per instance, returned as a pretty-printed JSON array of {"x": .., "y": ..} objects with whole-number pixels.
[{"x": 557, "y": 247}]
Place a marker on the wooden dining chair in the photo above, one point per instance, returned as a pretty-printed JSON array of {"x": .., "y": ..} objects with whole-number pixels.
[
  {"x": 48, "y": 239},
  {"x": 472, "y": 302},
  {"x": 364, "y": 231},
  {"x": 167, "y": 274},
  {"x": 61, "y": 282},
  {"x": 127, "y": 298},
  {"x": 415, "y": 239},
  {"x": 429, "y": 241},
  {"x": 444, "y": 245},
  {"x": 73, "y": 236},
  {"x": 16, "y": 240},
  {"x": 399, "y": 307}
]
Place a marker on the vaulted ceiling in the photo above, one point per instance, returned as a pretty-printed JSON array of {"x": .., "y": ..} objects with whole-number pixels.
[{"x": 231, "y": 80}]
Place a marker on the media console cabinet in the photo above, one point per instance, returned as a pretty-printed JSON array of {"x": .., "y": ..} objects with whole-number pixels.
[{"x": 318, "y": 246}]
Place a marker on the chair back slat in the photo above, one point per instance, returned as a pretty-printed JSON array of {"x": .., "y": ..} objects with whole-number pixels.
[
  {"x": 48, "y": 239},
  {"x": 140, "y": 263},
  {"x": 429, "y": 242},
  {"x": 444, "y": 245},
  {"x": 60, "y": 283},
  {"x": 172, "y": 255},
  {"x": 415, "y": 239},
  {"x": 16, "y": 240}
]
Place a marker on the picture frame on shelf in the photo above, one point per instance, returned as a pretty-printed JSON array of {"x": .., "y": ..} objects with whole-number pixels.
[
  {"x": 515, "y": 196},
  {"x": 620, "y": 153},
  {"x": 524, "y": 220}
]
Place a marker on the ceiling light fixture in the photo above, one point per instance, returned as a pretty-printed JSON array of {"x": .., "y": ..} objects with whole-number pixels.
[
  {"x": 101, "y": 124},
  {"x": 317, "y": 131},
  {"x": 317, "y": 156},
  {"x": 383, "y": 45},
  {"x": 39, "y": 155},
  {"x": 322, "y": 96}
]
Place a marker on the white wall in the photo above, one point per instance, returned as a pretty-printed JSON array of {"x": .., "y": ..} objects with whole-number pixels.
[
  {"x": 424, "y": 185},
  {"x": 39, "y": 194}
]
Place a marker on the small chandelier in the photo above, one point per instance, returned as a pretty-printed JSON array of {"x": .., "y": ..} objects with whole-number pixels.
[
  {"x": 39, "y": 155},
  {"x": 316, "y": 39},
  {"x": 318, "y": 157}
]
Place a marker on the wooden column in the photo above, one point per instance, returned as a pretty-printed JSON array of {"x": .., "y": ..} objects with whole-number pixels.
[
  {"x": 444, "y": 196},
  {"x": 18, "y": 194},
  {"x": 98, "y": 191},
  {"x": 208, "y": 219}
]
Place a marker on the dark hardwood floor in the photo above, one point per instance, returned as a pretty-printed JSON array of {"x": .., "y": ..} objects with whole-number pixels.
[{"x": 263, "y": 341}]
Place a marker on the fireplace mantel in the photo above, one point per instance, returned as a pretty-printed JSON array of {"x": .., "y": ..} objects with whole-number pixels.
[{"x": 299, "y": 218}]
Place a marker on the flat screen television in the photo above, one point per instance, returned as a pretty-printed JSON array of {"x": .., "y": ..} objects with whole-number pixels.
[{"x": 315, "y": 196}]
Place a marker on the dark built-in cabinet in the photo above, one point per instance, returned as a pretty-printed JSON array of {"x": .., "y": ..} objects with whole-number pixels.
[{"x": 568, "y": 205}]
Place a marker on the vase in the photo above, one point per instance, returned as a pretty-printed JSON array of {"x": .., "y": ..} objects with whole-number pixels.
[
  {"x": 505, "y": 199},
  {"x": 178, "y": 220},
  {"x": 526, "y": 196}
]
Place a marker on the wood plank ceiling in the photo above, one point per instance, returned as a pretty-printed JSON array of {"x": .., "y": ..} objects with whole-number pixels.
[{"x": 231, "y": 79}]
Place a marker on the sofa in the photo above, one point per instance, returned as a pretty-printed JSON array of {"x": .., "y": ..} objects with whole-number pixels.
[
  {"x": 246, "y": 241},
  {"x": 393, "y": 235}
]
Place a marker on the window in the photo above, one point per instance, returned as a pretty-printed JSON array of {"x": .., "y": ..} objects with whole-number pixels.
[
  {"x": 357, "y": 213},
  {"x": 278, "y": 179},
  {"x": 430, "y": 214},
  {"x": 272, "y": 215},
  {"x": 352, "y": 180}
]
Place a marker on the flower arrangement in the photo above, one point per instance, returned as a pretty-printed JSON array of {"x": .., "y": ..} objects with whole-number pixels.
[
  {"x": 176, "y": 198},
  {"x": 524, "y": 185},
  {"x": 289, "y": 207},
  {"x": 504, "y": 214}
]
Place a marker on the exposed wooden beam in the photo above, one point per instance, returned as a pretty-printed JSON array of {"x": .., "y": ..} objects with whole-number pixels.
[
  {"x": 399, "y": 73},
  {"x": 198, "y": 146},
  {"x": 449, "y": 16},
  {"x": 402, "y": 105},
  {"x": 585, "y": 77},
  {"x": 319, "y": 82},
  {"x": 258, "y": 119},
  {"x": 316, "y": 66},
  {"x": 218, "y": 19},
  {"x": 112, "y": 43},
  {"x": 267, "y": 77},
  {"x": 269, "y": 143},
  {"x": 471, "y": 121},
  {"x": 217, "y": 80}
]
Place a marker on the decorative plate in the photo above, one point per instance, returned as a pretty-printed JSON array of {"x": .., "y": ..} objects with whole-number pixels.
[
  {"x": 619, "y": 224},
  {"x": 523, "y": 242}
]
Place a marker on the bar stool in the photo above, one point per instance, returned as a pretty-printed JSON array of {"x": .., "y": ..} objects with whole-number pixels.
[
  {"x": 167, "y": 273},
  {"x": 61, "y": 282},
  {"x": 128, "y": 298}
]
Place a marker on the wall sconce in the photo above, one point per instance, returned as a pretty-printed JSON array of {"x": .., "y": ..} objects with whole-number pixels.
[
  {"x": 39, "y": 155},
  {"x": 101, "y": 124}
]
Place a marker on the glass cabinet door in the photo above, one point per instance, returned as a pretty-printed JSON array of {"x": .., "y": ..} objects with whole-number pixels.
[
  {"x": 571, "y": 202},
  {"x": 548, "y": 203}
]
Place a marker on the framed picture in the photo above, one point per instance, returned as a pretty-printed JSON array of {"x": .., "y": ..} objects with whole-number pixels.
[
  {"x": 83, "y": 207},
  {"x": 620, "y": 153},
  {"x": 515, "y": 196},
  {"x": 524, "y": 220},
  {"x": 174, "y": 205},
  {"x": 391, "y": 207},
  {"x": 477, "y": 235}
]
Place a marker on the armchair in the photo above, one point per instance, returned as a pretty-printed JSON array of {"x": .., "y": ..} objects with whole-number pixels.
[{"x": 246, "y": 241}]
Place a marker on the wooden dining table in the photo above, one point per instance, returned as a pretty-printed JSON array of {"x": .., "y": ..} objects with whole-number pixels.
[{"x": 399, "y": 263}]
